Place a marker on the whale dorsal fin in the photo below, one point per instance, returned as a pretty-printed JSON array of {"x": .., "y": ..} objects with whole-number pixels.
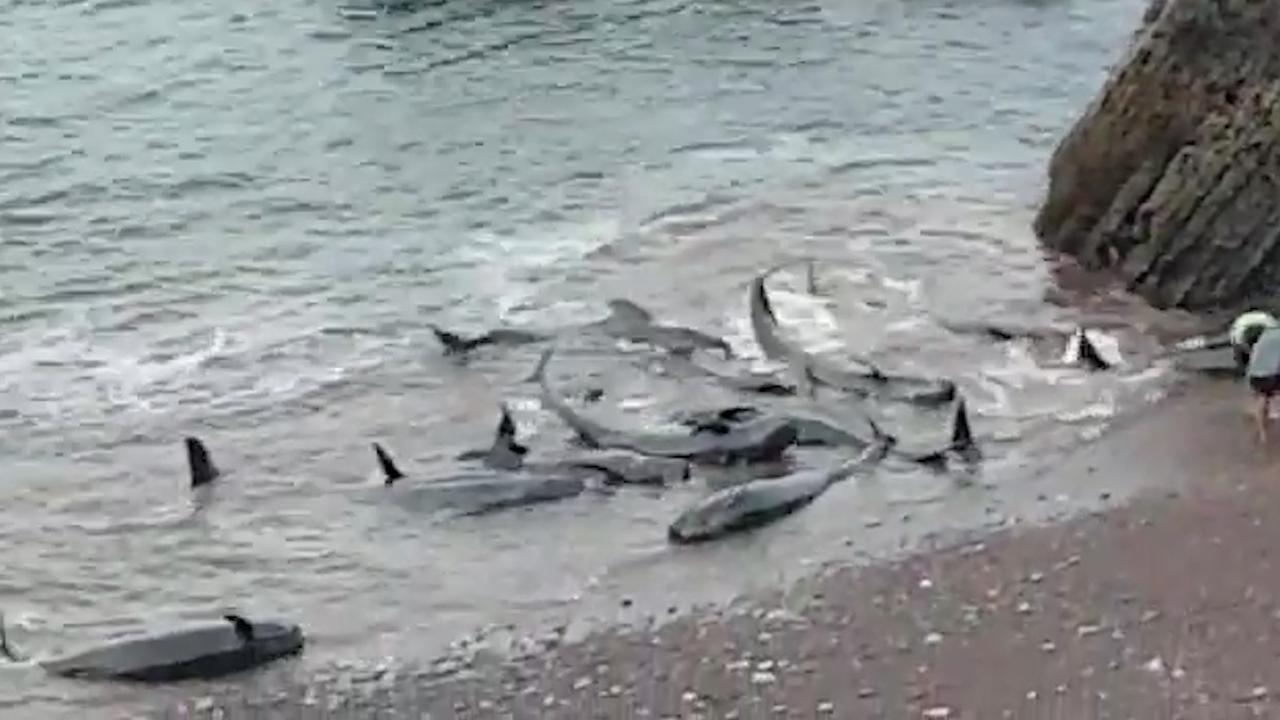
[
  {"x": 390, "y": 472},
  {"x": 961, "y": 433},
  {"x": 627, "y": 312},
  {"x": 1087, "y": 353},
  {"x": 454, "y": 344},
  {"x": 203, "y": 471},
  {"x": 244, "y": 628},
  {"x": 5, "y": 648},
  {"x": 506, "y": 453}
]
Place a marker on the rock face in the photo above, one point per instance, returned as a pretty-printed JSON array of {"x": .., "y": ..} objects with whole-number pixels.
[{"x": 1172, "y": 175}]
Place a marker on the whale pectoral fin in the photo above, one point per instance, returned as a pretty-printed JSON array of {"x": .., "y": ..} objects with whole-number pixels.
[
  {"x": 244, "y": 628},
  {"x": 390, "y": 472},
  {"x": 202, "y": 468}
]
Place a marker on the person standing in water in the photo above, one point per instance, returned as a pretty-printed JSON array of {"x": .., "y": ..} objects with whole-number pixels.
[
  {"x": 1263, "y": 372},
  {"x": 1245, "y": 331}
]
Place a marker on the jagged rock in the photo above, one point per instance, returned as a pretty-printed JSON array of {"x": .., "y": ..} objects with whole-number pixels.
[{"x": 1172, "y": 175}]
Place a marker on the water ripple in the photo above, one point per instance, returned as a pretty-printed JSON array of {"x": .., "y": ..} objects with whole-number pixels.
[{"x": 234, "y": 220}]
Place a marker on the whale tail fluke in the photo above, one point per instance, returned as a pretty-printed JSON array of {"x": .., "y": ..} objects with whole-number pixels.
[
  {"x": 390, "y": 472},
  {"x": 203, "y": 471}
]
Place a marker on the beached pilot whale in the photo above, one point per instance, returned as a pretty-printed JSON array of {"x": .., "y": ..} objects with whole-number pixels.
[
  {"x": 617, "y": 468},
  {"x": 625, "y": 321},
  {"x": 629, "y": 321},
  {"x": 475, "y": 493},
  {"x": 809, "y": 368},
  {"x": 203, "y": 653},
  {"x": 812, "y": 428},
  {"x": 1080, "y": 348},
  {"x": 762, "y": 440},
  {"x": 759, "y": 502},
  {"x": 762, "y": 383}
]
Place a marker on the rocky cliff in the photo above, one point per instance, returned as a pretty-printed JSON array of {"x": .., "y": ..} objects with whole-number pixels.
[{"x": 1172, "y": 175}]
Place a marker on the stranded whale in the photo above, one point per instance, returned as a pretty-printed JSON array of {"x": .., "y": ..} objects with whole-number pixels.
[
  {"x": 764, "y": 439},
  {"x": 204, "y": 653},
  {"x": 809, "y": 368},
  {"x": 759, "y": 502}
]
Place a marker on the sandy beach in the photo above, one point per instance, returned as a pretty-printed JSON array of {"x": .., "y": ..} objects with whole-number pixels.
[{"x": 1158, "y": 607}]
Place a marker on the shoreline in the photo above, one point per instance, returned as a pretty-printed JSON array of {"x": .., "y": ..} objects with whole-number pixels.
[{"x": 1110, "y": 612}]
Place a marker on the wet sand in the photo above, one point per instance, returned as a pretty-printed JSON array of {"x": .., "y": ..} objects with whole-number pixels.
[{"x": 1159, "y": 606}]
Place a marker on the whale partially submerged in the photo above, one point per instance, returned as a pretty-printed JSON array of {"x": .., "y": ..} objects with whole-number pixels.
[
  {"x": 1080, "y": 349},
  {"x": 759, "y": 502},
  {"x": 456, "y": 344},
  {"x": 204, "y": 653},
  {"x": 203, "y": 471},
  {"x": 626, "y": 321},
  {"x": 613, "y": 468},
  {"x": 479, "y": 492},
  {"x": 625, "y": 468},
  {"x": 961, "y": 443},
  {"x": 761, "y": 440},
  {"x": 812, "y": 428},
  {"x": 505, "y": 452},
  {"x": 761, "y": 383},
  {"x": 808, "y": 368}
]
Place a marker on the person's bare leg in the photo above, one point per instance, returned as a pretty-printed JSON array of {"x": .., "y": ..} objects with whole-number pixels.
[{"x": 1261, "y": 408}]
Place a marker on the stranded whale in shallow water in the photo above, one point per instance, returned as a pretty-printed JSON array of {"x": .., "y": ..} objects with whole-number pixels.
[
  {"x": 812, "y": 428},
  {"x": 505, "y": 453},
  {"x": 765, "y": 383},
  {"x": 617, "y": 468},
  {"x": 759, "y": 502},
  {"x": 809, "y": 368},
  {"x": 456, "y": 344},
  {"x": 626, "y": 321},
  {"x": 760, "y": 440},
  {"x": 961, "y": 445},
  {"x": 1080, "y": 350},
  {"x": 473, "y": 493},
  {"x": 204, "y": 653}
]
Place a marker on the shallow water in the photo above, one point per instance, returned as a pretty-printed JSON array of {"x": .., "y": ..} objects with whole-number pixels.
[{"x": 234, "y": 221}]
